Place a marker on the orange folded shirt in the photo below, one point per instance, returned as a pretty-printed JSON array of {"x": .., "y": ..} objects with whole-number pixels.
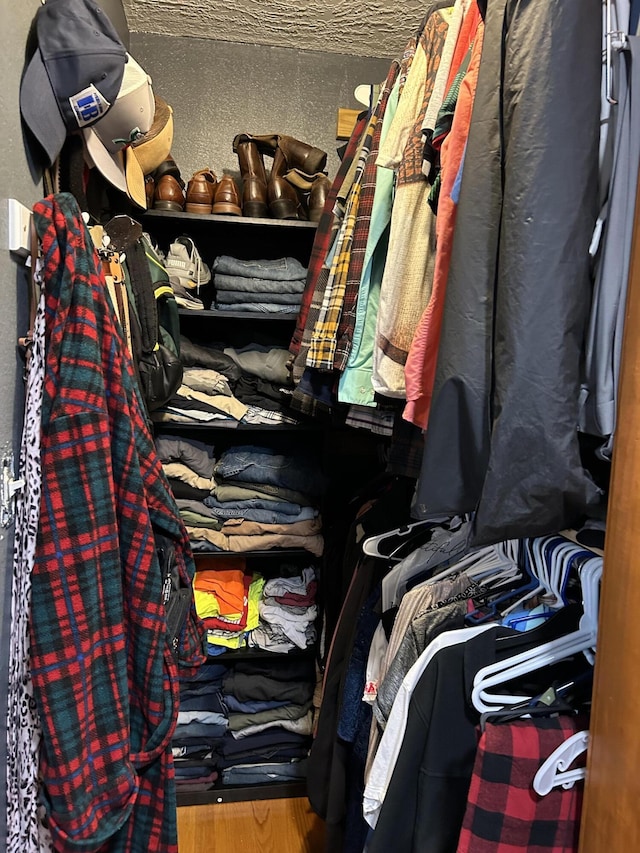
[{"x": 227, "y": 584}]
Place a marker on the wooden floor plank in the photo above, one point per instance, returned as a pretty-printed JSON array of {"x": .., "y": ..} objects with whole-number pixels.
[{"x": 260, "y": 826}]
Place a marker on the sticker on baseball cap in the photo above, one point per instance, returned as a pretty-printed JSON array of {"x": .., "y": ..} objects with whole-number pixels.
[{"x": 79, "y": 56}]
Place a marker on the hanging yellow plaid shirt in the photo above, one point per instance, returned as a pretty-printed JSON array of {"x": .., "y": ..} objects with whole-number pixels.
[{"x": 324, "y": 338}]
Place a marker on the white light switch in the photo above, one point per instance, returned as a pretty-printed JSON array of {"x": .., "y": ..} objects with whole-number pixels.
[{"x": 18, "y": 228}]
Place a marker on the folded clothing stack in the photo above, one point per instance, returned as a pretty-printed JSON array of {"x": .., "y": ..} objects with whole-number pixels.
[
  {"x": 258, "y": 286},
  {"x": 205, "y": 394},
  {"x": 197, "y": 743},
  {"x": 265, "y": 386},
  {"x": 248, "y": 478},
  {"x": 251, "y": 384},
  {"x": 241, "y": 515},
  {"x": 244, "y": 724},
  {"x": 251, "y": 684},
  {"x": 227, "y": 600},
  {"x": 239, "y": 608},
  {"x": 287, "y": 613},
  {"x": 273, "y": 754}
]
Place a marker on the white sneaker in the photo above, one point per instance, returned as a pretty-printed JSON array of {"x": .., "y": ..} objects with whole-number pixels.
[{"x": 184, "y": 261}]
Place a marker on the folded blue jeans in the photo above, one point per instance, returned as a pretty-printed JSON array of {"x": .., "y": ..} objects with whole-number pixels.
[
  {"x": 257, "y": 774},
  {"x": 230, "y": 509},
  {"x": 277, "y": 269},
  {"x": 267, "y": 516},
  {"x": 255, "y": 307},
  {"x": 242, "y": 284},
  {"x": 231, "y": 297},
  {"x": 250, "y": 706},
  {"x": 249, "y": 465}
]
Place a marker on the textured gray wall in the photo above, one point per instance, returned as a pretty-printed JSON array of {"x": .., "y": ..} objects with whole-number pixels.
[
  {"x": 218, "y": 89},
  {"x": 16, "y": 181},
  {"x": 354, "y": 27}
]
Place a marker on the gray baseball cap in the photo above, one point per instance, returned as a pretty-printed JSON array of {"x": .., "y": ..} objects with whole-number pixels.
[{"x": 74, "y": 76}]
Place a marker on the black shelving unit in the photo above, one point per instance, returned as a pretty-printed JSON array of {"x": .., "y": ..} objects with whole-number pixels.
[
  {"x": 244, "y": 238},
  {"x": 213, "y": 314},
  {"x": 239, "y": 236},
  {"x": 219, "y": 794},
  {"x": 234, "y": 426}
]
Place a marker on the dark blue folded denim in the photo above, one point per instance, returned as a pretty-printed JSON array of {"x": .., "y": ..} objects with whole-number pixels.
[
  {"x": 271, "y": 515},
  {"x": 230, "y": 509},
  {"x": 242, "y": 284},
  {"x": 250, "y": 707},
  {"x": 210, "y": 672},
  {"x": 205, "y": 701},
  {"x": 248, "y": 464},
  {"x": 257, "y": 774},
  {"x": 233, "y": 297},
  {"x": 276, "y": 269},
  {"x": 198, "y": 730}
]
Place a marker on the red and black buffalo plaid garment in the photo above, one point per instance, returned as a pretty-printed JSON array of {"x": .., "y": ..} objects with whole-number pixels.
[
  {"x": 504, "y": 814},
  {"x": 105, "y": 681}
]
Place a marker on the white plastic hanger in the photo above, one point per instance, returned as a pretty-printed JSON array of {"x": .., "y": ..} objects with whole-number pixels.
[
  {"x": 488, "y": 561},
  {"x": 553, "y": 772},
  {"x": 583, "y": 640},
  {"x": 530, "y": 593}
]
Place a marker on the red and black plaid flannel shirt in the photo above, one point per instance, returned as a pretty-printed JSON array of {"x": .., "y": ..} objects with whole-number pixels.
[
  {"x": 105, "y": 681},
  {"x": 504, "y": 814}
]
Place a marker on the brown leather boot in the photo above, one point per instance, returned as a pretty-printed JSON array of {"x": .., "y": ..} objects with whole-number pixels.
[
  {"x": 283, "y": 199},
  {"x": 168, "y": 194},
  {"x": 299, "y": 155},
  {"x": 200, "y": 191},
  {"x": 254, "y": 178},
  {"x": 227, "y": 198},
  {"x": 318, "y": 196}
]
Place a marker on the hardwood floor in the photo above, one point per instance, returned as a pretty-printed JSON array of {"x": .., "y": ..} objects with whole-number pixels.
[{"x": 260, "y": 826}]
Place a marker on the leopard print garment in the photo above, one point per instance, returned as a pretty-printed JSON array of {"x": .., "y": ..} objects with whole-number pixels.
[{"x": 26, "y": 830}]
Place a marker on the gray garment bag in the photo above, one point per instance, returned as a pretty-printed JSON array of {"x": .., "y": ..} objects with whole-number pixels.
[{"x": 502, "y": 434}]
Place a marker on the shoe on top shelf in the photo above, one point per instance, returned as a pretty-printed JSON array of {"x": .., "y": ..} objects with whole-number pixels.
[
  {"x": 184, "y": 262},
  {"x": 201, "y": 190},
  {"x": 184, "y": 297}
]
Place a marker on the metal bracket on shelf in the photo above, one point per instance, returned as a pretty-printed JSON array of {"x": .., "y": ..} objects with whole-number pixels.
[{"x": 9, "y": 486}]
